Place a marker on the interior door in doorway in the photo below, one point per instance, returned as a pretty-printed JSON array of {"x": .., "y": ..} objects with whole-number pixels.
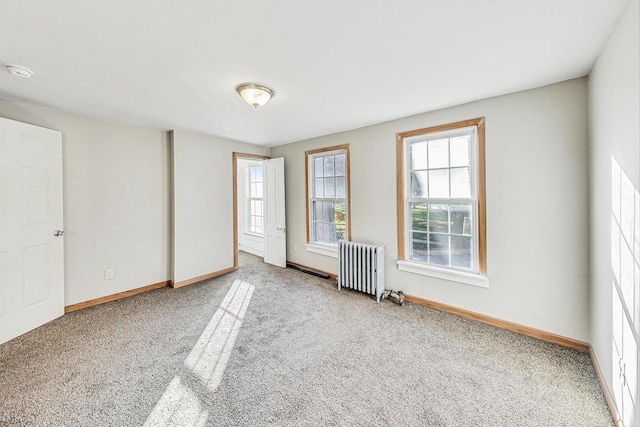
[
  {"x": 275, "y": 231},
  {"x": 31, "y": 242}
]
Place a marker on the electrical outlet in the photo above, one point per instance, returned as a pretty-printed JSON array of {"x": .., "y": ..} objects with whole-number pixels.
[{"x": 108, "y": 274}]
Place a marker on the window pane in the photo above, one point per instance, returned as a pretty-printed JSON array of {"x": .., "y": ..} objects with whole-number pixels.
[
  {"x": 317, "y": 168},
  {"x": 418, "y": 155},
  {"x": 460, "y": 183},
  {"x": 419, "y": 216},
  {"x": 419, "y": 246},
  {"x": 330, "y": 236},
  {"x": 461, "y": 251},
  {"x": 252, "y": 174},
  {"x": 439, "y": 184},
  {"x": 259, "y": 186},
  {"x": 327, "y": 212},
  {"x": 318, "y": 232},
  {"x": 340, "y": 219},
  {"x": 329, "y": 187},
  {"x": 258, "y": 208},
  {"x": 438, "y": 218},
  {"x": 419, "y": 183},
  {"x": 319, "y": 188},
  {"x": 341, "y": 186},
  {"x": 341, "y": 160},
  {"x": 461, "y": 219},
  {"x": 258, "y": 228},
  {"x": 252, "y": 189},
  {"x": 439, "y": 249},
  {"x": 329, "y": 166},
  {"x": 318, "y": 211},
  {"x": 259, "y": 173},
  {"x": 439, "y": 153},
  {"x": 459, "y": 148},
  {"x": 340, "y": 214}
]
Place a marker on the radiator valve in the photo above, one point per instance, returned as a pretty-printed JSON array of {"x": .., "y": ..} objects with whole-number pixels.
[{"x": 398, "y": 295}]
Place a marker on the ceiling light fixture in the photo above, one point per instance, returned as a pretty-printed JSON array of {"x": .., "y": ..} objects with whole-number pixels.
[
  {"x": 254, "y": 94},
  {"x": 19, "y": 70}
]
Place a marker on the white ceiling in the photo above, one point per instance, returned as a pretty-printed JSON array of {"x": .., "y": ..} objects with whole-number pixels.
[{"x": 335, "y": 65}]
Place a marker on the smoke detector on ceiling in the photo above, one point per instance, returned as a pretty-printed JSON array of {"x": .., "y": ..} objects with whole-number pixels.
[{"x": 19, "y": 70}]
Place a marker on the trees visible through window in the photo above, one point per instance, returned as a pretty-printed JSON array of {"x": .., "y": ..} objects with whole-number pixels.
[
  {"x": 328, "y": 195},
  {"x": 442, "y": 182},
  {"x": 255, "y": 202}
]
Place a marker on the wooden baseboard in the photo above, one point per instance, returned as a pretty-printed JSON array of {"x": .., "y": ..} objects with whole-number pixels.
[
  {"x": 515, "y": 327},
  {"x": 114, "y": 297},
  {"x": 605, "y": 389},
  {"x": 332, "y": 275},
  {"x": 203, "y": 277}
]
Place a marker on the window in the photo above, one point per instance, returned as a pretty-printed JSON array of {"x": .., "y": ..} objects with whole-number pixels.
[
  {"x": 254, "y": 200},
  {"x": 327, "y": 198},
  {"x": 441, "y": 214}
]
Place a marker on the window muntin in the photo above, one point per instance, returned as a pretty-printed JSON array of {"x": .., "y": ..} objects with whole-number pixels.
[
  {"x": 255, "y": 202},
  {"x": 327, "y": 174},
  {"x": 442, "y": 205}
]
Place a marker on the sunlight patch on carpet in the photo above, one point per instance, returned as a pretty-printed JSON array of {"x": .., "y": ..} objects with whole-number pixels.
[
  {"x": 209, "y": 357},
  {"x": 177, "y": 406}
]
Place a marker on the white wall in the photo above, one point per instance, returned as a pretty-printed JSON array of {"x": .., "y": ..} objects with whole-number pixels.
[
  {"x": 203, "y": 203},
  {"x": 614, "y": 113},
  {"x": 247, "y": 242},
  {"x": 116, "y": 201},
  {"x": 537, "y": 206}
]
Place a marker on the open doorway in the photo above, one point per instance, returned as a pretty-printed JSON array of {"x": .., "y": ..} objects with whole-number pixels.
[
  {"x": 259, "y": 218},
  {"x": 248, "y": 205}
]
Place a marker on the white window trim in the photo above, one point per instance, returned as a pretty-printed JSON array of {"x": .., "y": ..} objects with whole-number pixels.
[
  {"x": 314, "y": 247},
  {"x": 326, "y": 250},
  {"x": 469, "y": 130},
  {"x": 454, "y": 274},
  {"x": 417, "y": 267}
]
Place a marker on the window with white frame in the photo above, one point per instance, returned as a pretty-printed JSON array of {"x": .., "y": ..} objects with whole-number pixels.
[
  {"x": 255, "y": 202},
  {"x": 328, "y": 195},
  {"x": 441, "y": 178}
]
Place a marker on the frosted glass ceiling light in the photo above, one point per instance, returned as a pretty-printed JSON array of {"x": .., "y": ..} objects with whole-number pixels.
[
  {"x": 19, "y": 70},
  {"x": 254, "y": 94}
]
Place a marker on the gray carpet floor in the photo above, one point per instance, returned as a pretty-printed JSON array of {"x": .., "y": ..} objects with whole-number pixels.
[{"x": 266, "y": 346}]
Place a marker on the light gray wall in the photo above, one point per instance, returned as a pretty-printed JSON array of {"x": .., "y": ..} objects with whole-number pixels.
[
  {"x": 614, "y": 112},
  {"x": 537, "y": 206},
  {"x": 203, "y": 203},
  {"x": 116, "y": 201},
  {"x": 247, "y": 242}
]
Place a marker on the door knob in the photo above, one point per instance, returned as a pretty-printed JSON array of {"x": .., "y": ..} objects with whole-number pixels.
[{"x": 58, "y": 233}]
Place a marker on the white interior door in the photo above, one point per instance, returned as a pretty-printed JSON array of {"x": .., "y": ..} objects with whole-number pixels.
[
  {"x": 275, "y": 230},
  {"x": 31, "y": 257}
]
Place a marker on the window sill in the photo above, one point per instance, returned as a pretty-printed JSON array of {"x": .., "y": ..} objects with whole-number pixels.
[
  {"x": 249, "y": 233},
  {"x": 326, "y": 250},
  {"x": 441, "y": 273}
]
